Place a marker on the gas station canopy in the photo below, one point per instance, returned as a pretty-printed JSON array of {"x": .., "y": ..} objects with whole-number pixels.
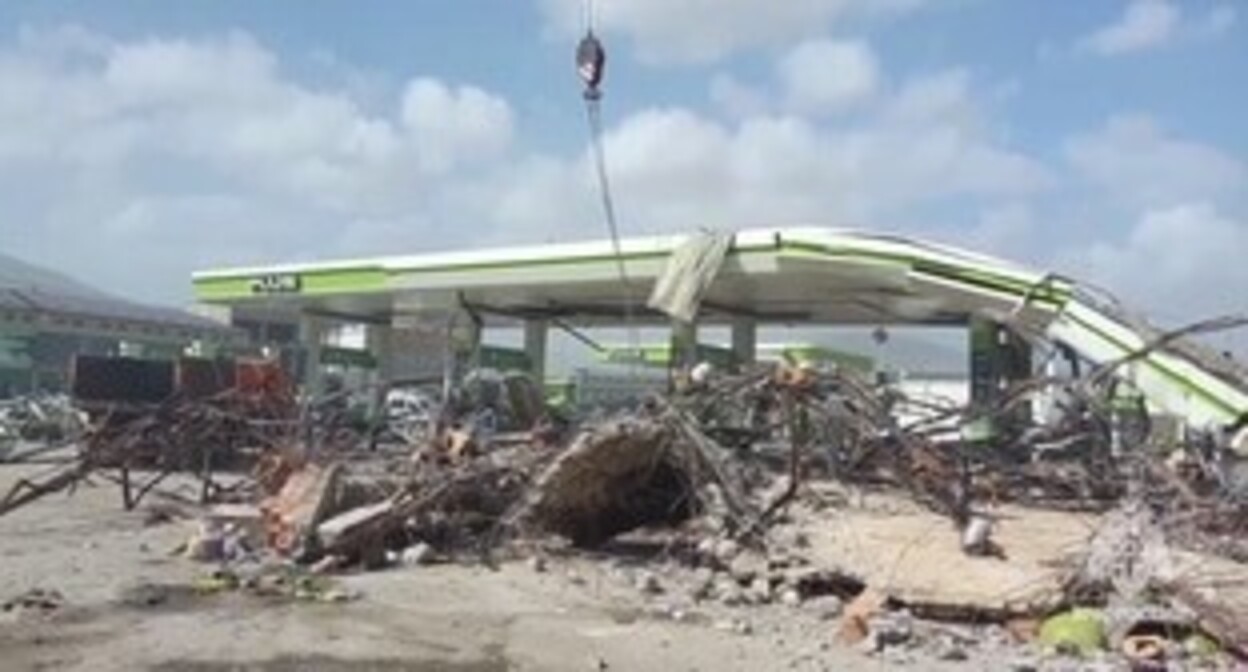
[
  {"x": 793, "y": 276},
  {"x": 813, "y": 276}
]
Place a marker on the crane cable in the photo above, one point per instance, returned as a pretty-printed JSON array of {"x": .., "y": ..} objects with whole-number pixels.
[
  {"x": 591, "y": 60},
  {"x": 593, "y": 116}
]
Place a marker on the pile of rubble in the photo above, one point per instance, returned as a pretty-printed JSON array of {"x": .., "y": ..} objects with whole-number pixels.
[
  {"x": 37, "y": 419},
  {"x": 776, "y": 488},
  {"x": 790, "y": 487}
]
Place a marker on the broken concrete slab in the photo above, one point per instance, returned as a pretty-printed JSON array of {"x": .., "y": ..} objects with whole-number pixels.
[
  {"x": 916, "y": 557},
  {"x": 1216, "y": 590}
]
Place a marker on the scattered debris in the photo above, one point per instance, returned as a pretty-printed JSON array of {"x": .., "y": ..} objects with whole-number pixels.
[
  {"x": 857, "y": 617},
  {"x": 977, "y": 537},
  {"x": 50, "y": 421},
  {"x": 787, "y": 490},
  {"x": 273, "y": 581},
  {"x": 791, "y": 597},
  {"x": 414, "y": 556},
  {"x": 1079, "y": 631},
  {"x": 40, "y": 600},
  {"x": 649, "y": 584}
]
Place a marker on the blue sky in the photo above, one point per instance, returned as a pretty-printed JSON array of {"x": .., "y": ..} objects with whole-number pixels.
[
  {"x": 509, "y": 47},
  {"x": 1102, "y": 137}
]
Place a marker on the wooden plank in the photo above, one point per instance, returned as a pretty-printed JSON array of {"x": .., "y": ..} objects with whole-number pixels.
[{"x": 302, "y": 503}]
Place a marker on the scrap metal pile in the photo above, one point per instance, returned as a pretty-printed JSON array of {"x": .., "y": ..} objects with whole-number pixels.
[
  {"x": 775, "y": 485},
  {"x": 737, "y": 484},
  {"x": 150, "y": 420},
  {"x": 38, "y": 419}
]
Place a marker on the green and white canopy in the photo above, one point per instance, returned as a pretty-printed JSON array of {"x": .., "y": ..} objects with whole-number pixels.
[{"x": 791, "y": 276}]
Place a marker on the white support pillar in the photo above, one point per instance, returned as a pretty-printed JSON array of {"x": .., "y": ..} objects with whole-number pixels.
[
  {"x": 684, "y": 345},
  {"x": 745, "y": 340},
  {"x": 475, "y": 333},
  {"x": 312, "y": 339},
  {"x": 463, "y": 347},
  {"x": 535, "y": 339},
  {"x": 379, "y": 338}
]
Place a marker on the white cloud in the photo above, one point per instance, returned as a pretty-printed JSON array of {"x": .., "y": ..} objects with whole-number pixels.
[
  {"x": 708, "y": 30},
  {"x": 1141, "y": 165},
  {"x": 1166, "y": 219},
  {"x": 825, "y": 76},
  {"x": 815, "y": 78},
  {"x": 188, "y": 149},
  {"x": 152, "y": 148},
  {"x": 145, "y": 149},
  {"x": 543, "y": 198},
  {"x": 170, "y": 95},
  {"x": 674, "y": 168},
  {"x": 664, "y": 152},
  {"x": 737, "y": 99},
  {"x": 1152, "y": 24},
  {"x": 1144, "y": 24},
  {"x": 1184, "y": 261},
  {"x": 455, "y": 125},
  {"x": 1006, "y": 230},
  {"x": 945, "y": 95}
]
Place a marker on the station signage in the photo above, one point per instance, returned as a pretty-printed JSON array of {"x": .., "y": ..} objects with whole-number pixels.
[{"x": 277, "y": 283}]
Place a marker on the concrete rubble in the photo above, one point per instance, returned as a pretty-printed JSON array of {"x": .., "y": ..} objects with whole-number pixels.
[{"x": 771, "y": 493}]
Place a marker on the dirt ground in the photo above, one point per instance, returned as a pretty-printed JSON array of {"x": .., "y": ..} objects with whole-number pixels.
[{"x": 578, "y": 614}]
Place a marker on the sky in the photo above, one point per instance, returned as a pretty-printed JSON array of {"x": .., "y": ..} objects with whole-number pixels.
[{"x": 141, "y": 140}]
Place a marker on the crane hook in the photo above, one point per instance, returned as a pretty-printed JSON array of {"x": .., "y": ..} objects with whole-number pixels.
[{"x": 591, "y": 61}]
